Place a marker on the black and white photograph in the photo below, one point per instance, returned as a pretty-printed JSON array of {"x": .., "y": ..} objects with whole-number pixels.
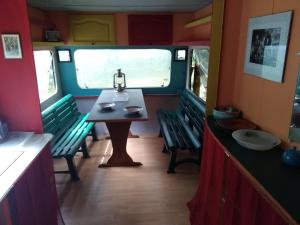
[
  {"x": 11, "y": 46},
  {"x": 266, "y": 47}
]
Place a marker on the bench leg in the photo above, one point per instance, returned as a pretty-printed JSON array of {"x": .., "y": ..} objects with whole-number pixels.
[
  {"x": 172, "y": 163},
  {"x": 94, "y": 134},
  {"x": 199, "y": 156},
  {"x": 160, "y": 134},
  {"x": 72, "y": 169},
  {"x": 84, "y": 150},
  {"x": 165, "y": 150}
]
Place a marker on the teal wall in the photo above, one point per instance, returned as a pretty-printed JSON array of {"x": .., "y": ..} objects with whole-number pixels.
[{"x": 69, "y": 81}]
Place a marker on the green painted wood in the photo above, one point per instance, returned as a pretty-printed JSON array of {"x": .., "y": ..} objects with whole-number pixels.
[
  {"x": 164, "y": 129},
  {"x": 67, "y": 136},
  {"x": 64, "y": 129},
  {"x": 174, "y": 130},
  {"x": 57, "y": 115},
  {"x": 183, "y": 129},
  {"x": 191, "y": 136},
  {"x": 194, "y": 110},
  {"x": 83, "y": 135},
  {"x": 68, "y": 126},
  {"x": 76, "y": 134},
  {"x": 56, "y": 105},
  {"x": 65, "y": 148}
]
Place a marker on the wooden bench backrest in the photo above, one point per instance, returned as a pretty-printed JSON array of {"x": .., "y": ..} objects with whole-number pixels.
[
  {"x": 193, "y": 110},
  {"x": 59, "y": 116}
]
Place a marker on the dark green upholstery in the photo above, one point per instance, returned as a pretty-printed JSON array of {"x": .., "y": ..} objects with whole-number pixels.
[
  {"x": 70, "y": 128},
  {"x": 183, "y": 129}
]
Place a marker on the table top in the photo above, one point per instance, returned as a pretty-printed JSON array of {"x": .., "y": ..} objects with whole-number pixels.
[{"x": 128, "y": 97}]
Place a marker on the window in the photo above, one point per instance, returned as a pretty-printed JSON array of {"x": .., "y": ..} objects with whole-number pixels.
[
  {"x": 143, "y": 67},
  {"x": 45, "y": 73},
  {"x": 197, "y": 81},
  {"x": 180, "y": 54}
]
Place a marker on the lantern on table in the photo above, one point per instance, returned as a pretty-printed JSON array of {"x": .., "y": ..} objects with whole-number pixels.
[{"x": 119, "y": 81}]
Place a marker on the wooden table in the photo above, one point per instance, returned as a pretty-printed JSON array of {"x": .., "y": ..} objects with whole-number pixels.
[{"x": 118, "y": 122}]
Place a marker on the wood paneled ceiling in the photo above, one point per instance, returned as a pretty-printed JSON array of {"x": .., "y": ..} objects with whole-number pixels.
[{"x": 121, "y": 5}]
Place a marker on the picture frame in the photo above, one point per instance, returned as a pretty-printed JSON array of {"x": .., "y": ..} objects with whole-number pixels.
[
  {"x": 11, "y": 46},
  {"x": 64, "y": 55},
  {"x": 266, "y": 46},
  {"x": 52, "y": 35},
  {"x": 180, "y": 54}
]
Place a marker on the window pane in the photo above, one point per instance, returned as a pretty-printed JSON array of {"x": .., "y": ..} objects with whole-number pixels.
[
  {"x": 143, "y": 67},
  {"x": 199, "y": 72},
  {"x": 45, "y": 74}
]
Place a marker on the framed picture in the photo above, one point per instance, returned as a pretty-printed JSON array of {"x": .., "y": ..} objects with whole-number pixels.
[
  {"x": 52, "y": 35},
  {"x": 266, "y": 46},
  {"x": 11, "y": 46},
  {"x": 180, "y": 55},
  {"x": 64, "y": 55}
]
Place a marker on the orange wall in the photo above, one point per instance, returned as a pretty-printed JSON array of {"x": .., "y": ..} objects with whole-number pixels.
[
  {"x": 198, "y": 33},
  {"x": 264, "y": 102},
  {"x": 121, "y": 20},
  {"x": 179, "y": 32},
  {"x": 230, "y": 39},
  {"x": 37, "y": 23},
  {"x": 40, "y": 21},
  {"x": 59, "y": 21},
  {"x": 203, "y": 32}
]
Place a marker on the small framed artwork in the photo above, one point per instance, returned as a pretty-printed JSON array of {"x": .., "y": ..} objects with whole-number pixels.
[
  {"x": 52, "y": 35},
  {"x": 180, "y": 54},
  {"x": 64, "y": 55},
  {"x": 11, "y": 46},
  {"x": 266, "y": 47}
]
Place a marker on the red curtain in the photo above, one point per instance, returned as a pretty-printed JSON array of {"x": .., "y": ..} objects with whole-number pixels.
[
  {"x": 240, "y": 199},
  {"x": 205, "y": 206}
]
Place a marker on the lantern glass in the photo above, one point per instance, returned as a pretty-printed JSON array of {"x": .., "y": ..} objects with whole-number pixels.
[{"x": 119, "y": 81}]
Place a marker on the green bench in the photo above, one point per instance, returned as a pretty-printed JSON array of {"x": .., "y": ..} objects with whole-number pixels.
[
  {"x": 183, "y": 129},
  {"x": 69, "y": 127}
]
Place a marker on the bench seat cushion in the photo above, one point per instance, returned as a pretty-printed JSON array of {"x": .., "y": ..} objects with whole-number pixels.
[{"x": 68, "y": 143}]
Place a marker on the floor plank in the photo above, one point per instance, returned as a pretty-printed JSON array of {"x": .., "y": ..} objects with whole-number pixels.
[{"x": 144, "y": 195}]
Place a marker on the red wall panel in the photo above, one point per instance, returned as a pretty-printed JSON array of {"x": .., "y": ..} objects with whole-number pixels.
[
  {"x": 150, "y": 29},
  {"x": 19, "y": 100}
]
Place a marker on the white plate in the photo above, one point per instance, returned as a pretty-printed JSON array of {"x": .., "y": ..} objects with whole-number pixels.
[
  {"x": 107, "y": 105},
  {"x": 133, "y": 109},
  {"x": 255, "y": 139}
]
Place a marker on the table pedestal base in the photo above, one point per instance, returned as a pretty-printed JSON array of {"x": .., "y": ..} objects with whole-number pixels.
[{"x": 118, "y": 134}]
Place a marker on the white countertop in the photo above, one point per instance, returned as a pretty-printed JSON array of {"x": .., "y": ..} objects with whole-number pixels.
[{"x": 17, "y": 152}]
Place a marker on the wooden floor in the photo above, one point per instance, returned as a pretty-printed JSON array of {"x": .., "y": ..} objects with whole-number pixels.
[{"x": 144, "y": 195}]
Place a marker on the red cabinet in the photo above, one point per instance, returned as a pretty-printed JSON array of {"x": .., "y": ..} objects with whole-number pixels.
[
  {"x": 226, "y": 195},
  {"x": 5, "y": 217},
  {"x": 243, "y": 204},
  {"x": 33, "y": 199},
  {"x": 150, "y": 29}
]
